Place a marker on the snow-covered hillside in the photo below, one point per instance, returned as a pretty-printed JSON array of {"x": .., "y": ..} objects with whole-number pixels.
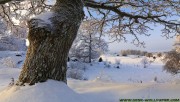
[{"x": 115, "y": 78}]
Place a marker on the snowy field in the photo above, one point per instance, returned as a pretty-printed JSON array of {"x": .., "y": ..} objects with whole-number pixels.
[{"x": 115, "y": 78}]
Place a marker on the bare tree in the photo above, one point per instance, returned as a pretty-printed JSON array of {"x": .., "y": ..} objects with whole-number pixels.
[
  {"x": 172, "y": 58},
  {"x": 50, "y": 43},
  {"x": 88, "y": 44},
  {"x": 172, "y": 62}
]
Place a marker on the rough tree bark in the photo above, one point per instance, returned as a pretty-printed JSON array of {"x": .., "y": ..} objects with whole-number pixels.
[{"x": 49, "y": 44}]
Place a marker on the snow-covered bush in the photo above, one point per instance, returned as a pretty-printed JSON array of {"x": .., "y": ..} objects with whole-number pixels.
[
  {"x": 9, "y": 62},
  {"x": 75, "y": 74},
  {"x": 107, "y": 64},
  {"x": 117, "y": 61},
  {"x": 155, "y": 79},
  {"x": 104, "y": 77},
  {"x": 144, "y": 62},
  {"x": 172, "y": 62},
  {"x": 77, "y": 65},
  {"x": 12, "y": 43},
  {"x": 76, "y": 70}
]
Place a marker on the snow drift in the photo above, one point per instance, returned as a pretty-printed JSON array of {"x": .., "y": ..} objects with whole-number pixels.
[{"x": 50, "y": 91}]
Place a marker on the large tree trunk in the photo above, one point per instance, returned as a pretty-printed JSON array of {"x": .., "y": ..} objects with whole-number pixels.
[{"x": 50, "y": 43}]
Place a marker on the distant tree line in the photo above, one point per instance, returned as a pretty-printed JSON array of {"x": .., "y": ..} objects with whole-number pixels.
[{"x": 133, "y": 52}]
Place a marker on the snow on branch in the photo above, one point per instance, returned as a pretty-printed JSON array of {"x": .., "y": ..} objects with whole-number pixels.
[{"x": 135, "y": 17}]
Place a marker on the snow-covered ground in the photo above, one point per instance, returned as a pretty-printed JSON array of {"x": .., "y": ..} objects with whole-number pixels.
[{"x": 115, "y": 78}]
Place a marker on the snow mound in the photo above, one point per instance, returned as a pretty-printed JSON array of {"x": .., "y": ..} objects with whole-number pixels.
[{"x": 50, "y": 91}]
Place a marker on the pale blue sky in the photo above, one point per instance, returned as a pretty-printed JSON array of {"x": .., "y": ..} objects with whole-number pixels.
[{"x": 154, "y": 43}]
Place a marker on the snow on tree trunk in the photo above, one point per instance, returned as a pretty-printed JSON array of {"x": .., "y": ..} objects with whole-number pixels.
[{"x": 51, "y": 36}]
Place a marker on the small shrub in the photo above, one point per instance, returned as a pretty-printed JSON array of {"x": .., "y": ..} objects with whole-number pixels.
[
  {"x": 155, "y": 79},
  {"x": 100, "y": 59},
  {"x": 68, "y": 59},
  {"x": 154, "y": 57},
  {"x": 76, "y": 70},
  {"x": 145, "y": 62},
  {"x": 104, "y": 77},
  {"x": 19, "y": 62},
  {"x": 124, "y": 54},
  {"x": 9, "y": 62},
  {"x": 77, "y": 65},
  {"x": 117, "y": 67},
  {"x": 12, "y": 82},
  {"x": 118, "y": 61},
  {"x": 75, "y": 74},
  {"x": 107, "y": 64},
  {"x": 18, "y": 55},
  {"x": 159, "y": 54}
]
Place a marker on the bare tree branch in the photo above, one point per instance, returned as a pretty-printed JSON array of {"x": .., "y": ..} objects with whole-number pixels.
[
  {"x": 115, "y": 17},
  {"x": 135, "y": 17}
]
